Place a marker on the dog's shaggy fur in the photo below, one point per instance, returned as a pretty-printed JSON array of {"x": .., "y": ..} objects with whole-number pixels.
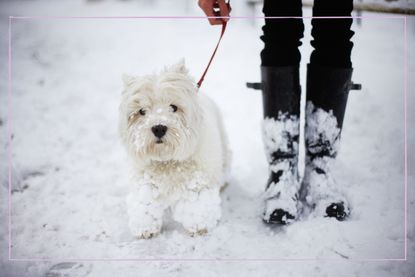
[{"x": 183, "y": 169}]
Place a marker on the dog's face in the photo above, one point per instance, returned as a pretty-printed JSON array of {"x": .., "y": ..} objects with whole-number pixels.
[{"x": 160, "y": 116}]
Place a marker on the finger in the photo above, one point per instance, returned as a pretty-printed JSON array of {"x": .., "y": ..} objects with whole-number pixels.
[
  {"x": 212, "y": 14},
  {"x": 213, "y": 20},
  {"x": 224, "y": 9},
  {"x": 208, "y": 8}
]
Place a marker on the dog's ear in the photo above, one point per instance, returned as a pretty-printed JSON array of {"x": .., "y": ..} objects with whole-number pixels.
[
  {"x": 128, "y": 80},
  {"x": 180, "y": 67}
]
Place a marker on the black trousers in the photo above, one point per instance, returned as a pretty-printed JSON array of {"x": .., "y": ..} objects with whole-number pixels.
[{"x": 331, "y": 37}]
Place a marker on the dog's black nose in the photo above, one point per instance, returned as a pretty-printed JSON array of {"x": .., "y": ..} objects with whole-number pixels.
[{"x": 159, "y": 130}]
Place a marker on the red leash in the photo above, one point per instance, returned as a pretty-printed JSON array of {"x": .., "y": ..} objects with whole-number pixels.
[{"x": 213, "y": 55}]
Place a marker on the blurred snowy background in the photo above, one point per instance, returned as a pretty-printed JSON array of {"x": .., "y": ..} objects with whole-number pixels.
[{"x": 68, "y": 168}]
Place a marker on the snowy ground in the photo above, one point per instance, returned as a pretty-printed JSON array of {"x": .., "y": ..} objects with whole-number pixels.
[{"x": 69, "y": 176}]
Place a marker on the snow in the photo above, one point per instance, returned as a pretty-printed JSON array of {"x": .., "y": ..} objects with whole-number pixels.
[
  {"x": 321, "y": 134},
  {"x": 280, "y": 135},
  {"x": 140, "y": 202},
  {"x": 272, "y": 130},
  {"x": 69, "y": 171},
  {"x": 200, "y": 213},
  {"x": 402, "y": 4},
  {"x": 322, "y": 130}
]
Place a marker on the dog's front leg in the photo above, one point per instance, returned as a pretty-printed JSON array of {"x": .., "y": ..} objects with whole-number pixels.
[
  {"x": 145, "y": 211},
  {"x": 198, "y": 212}
]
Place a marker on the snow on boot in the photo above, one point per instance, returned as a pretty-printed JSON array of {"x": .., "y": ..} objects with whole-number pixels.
[
  {"x": 281, "y": 145},
  {"x": 327, "y": 93},
  {"x": 281, "y": 100},
  {"x": 322, "y": 137}
]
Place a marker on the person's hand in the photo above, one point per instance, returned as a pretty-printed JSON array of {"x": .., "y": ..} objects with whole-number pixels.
[{"x": 214, "y": 8}]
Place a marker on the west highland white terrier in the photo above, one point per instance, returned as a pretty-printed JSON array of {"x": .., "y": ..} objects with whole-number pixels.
[{"x": 179, "y": 150}]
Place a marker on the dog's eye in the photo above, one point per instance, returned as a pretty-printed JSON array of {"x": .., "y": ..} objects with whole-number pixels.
[
  {"x": 174, "y": 107},
  {"x": 142, "y": 112}
]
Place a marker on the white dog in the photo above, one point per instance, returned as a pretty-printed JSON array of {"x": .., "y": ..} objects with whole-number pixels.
[{"x": 179, "y": 150}]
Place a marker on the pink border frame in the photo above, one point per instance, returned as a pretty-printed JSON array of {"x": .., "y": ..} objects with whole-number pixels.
[{"x": 9, "y": 128}]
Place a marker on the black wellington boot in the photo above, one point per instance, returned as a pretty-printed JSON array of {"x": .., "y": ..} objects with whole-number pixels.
[
  {"x": 327, "y": 93},
  {"x": 281, "y": 93}
]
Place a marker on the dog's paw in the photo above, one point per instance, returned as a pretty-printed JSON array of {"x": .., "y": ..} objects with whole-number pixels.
[
  {"x": 199, "y": 228},
  {"x": 200, "y": 214},
  {"x": 146, "y": 235},
  {"x": 145, "y": 225},
  {"x": 138, "y": 230},
  {"x": 145, "y": 213},
  {"x": 197, "y": 232}
]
